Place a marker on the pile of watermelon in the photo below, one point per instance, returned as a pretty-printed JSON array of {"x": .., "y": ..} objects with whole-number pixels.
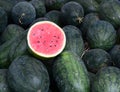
[{"x": 59, "y": 46}]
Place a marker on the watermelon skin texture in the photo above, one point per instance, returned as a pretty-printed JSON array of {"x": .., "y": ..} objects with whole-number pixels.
[
  {"x": 11, "y": 31},
  {"x": 23, "y": 13},
  {"x": 70, "y": 73},
  {"x": 74, "y": 35},
  {"x": 54, "y": 16},
  {"x": 115, "y": 54},
  {"x": 39, "y": 7},
  {"x": 107, "y": 80},
  {"x": 3, "y": 19},
  {"x": 72, "y": 13},
  {"x": 95, "y": 59},
  {"x": 88, "y": 20},
  {"x": 27, "y": 74},
  {"x": 102, "y": 35},
  {"x": 3, "y": 81},
  {"x": 88, "y": 5},
  {"x": 110, "y": 11}
]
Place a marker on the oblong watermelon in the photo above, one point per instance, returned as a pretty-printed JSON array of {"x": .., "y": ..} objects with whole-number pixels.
[{"x": 46, "y": 39}]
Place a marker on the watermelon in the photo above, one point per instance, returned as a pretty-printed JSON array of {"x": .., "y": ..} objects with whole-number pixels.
[
  {"x": 23, "y": 13},
  {"x": 110, "y": 11},
  {"x": 11, "y": 31},
  {"x": 70, "y": 73},
  {"x": 74, "y": 40},
  {"x": 39, "y": 7},
  {"x": 46, "y": 39},
  {"x": 72, "y": 13},
  {"x": 28, "y": 74},
  {"x": 54, "y": 16},
  {"x": 88, "y": 20},
  {"x": 95, "y": 59},
  {"x": 107, "y": 80},
  {"x": 101, "y": 34}
]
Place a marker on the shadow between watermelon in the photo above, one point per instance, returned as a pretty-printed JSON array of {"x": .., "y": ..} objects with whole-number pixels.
[{"x": 46, "y": 39}]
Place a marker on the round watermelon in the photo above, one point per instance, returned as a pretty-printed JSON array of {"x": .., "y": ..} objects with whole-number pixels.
[{"x": 46, "y": 39}]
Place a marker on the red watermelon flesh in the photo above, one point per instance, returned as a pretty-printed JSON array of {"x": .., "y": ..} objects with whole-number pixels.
[{"x": 46, "y": 39}]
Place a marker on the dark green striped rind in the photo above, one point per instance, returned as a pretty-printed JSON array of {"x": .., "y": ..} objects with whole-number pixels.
[
  {"x": 70, "y": 73},
  {"x": 101, "y": 34},
  {"x": 27, "y": 74},
  {"x": 74, "y": 40},
  {"x": 95, "y": 59},
  {"x": 3, "y": 81},
  {"x": 72, "y": 13},
  {"x": 11, "y": 31},
  {"x": 110, "y": 11},
  {"x": 107, "y": 80}
]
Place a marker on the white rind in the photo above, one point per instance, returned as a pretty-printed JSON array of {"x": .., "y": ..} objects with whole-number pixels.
[{"x": 41, "y": 54}]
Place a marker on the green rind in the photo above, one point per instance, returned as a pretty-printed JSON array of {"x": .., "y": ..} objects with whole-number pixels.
[
  {"x": 107, "y": 80},
  {"x": 27, "y": 74},
  {"x": 3, "y": 81},
  {"x": 110, "y": 11},
  {"x": 11, "y": 31},
  {"x": 70, "y": 73},
  {"x": 74, "y": 40},
  {"x": 101, "y": 34},
  {"x": 39, "y": 7},
  {"x": 95, "y": 59},
  {"x": 72, "y": 13}
]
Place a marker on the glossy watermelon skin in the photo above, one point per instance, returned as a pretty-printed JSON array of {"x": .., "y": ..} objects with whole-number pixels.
[
  {"x": 72, "y": 13},
  {"x": 70, "y": 73},
  {"x": 3, "y": 81},
  {"x": 74, "y": 35},
  {"x": 101, "y": 34},
  {"x": 95, "y": 59},
  {"x": 27, "y": 74},
  {"x": 107, "y": 80},
  {"x": 115, "y": 54},
  {"x": 110, "y": 11}
]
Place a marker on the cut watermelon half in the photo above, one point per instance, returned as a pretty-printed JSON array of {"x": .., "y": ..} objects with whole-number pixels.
[{"x": 46, "y": 39}]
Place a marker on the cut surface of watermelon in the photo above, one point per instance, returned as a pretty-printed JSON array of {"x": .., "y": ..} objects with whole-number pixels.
[{"x": 46, "y": 39}]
